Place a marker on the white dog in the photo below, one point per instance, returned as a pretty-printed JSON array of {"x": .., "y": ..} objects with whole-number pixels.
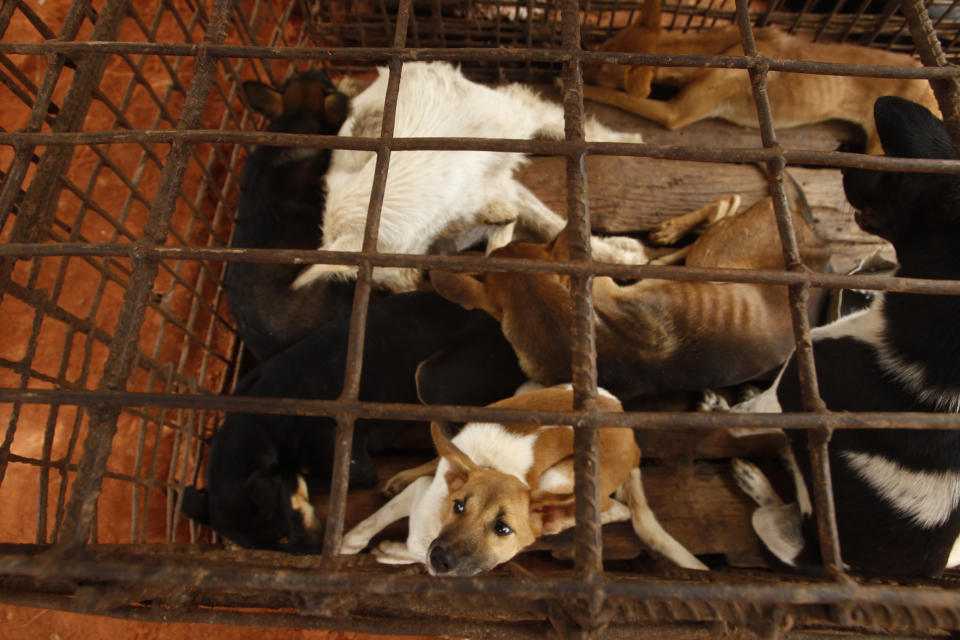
[{"x": 446, "y": 199}]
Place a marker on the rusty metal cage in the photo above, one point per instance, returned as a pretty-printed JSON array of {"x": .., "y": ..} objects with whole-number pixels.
[{"x": 122, "y": 140}]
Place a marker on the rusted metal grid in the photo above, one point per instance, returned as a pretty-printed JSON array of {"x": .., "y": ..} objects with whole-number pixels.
[{"x": 71, "y": 564}]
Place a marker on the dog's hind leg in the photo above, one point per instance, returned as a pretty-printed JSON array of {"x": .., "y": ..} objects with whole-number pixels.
[
  {"x": 649, "y": 529},
  {"x": 670, "y": 231},
  {"x": 403, "y": 479},
  {"x": 399, "y": 507}
]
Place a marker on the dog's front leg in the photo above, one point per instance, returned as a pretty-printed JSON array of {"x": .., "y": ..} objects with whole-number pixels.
[
  {"x": 399, "y": 507},
  {"x": 535, "y": 218},
  {"x": 393, "y": 552}
]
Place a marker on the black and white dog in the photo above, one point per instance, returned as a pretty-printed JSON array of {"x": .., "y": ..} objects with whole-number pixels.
[
  {"x": 262, "y": 469},
  {"x": 281, "y": 207},
  {"x": 897, "y": 491}
]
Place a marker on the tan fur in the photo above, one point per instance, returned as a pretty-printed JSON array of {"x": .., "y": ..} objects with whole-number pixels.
[
  {"x": 655, "y": 335},
  {"x": 795, "y": 98}
]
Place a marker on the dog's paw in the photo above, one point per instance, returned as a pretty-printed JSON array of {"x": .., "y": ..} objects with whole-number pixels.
[
  {"x": 754, "y": 483},
  {"x": 618, "y": 250},
  {"x": 353, "y": 544},
  {"x": 396, "y": 484},
  {"x": 392, "y": 552},
  {"x": 669, "y": 232},
  {"x": 400, "y": 481},
  {"x": 713, "y": 402}
]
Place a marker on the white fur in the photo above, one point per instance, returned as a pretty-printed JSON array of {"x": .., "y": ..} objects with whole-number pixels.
[
  {"x": 869, "y": 326},
  {"x": 927, "y": 498},
  {"x": 432, "y": 195},
  {"x": 954, "y": 558}
]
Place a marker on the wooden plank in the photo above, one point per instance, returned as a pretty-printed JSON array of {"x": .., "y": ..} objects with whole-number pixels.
[{"x": 629, "y": 195}]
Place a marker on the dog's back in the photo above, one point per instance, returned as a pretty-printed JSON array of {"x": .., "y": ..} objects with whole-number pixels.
[
  {"x": 896, "y": 490},
  {"x": 280, "y": 207}
]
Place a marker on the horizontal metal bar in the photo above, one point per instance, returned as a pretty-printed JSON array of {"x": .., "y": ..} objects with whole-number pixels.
[
  {"x": 202, "y": 573},
  {"x": 473, "y": 263},
  {"x": 467, "y": 54},
  {"x": 544, "y": 147},
  {"x": 390, "y": 411}
]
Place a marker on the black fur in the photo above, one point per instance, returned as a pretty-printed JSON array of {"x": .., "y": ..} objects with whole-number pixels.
[
  {"x": 281, "y": 207},
  {"x": 920, "y": 214},
  {"x": 254, "y": 459}
]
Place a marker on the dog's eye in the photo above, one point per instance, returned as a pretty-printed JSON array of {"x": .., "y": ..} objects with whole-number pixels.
[
  {"x": 501, "y": 528},
  {"x": 458, "y": 506}
]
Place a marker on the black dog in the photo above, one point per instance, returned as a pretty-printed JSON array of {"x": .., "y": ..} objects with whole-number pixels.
[
  {"x": 897, "y": 491},
  {"x": 281, "y": 207},
  {"x": 262, "y": 468}
]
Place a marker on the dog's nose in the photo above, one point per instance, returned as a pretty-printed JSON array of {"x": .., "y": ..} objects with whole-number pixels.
[{"x": 442, "y": 560}]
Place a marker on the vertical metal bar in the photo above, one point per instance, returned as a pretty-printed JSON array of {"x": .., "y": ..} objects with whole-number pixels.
[
  {"x": 588, "y": 550},
  {"x": 81, "y": 509},
  {"x": 43, "y": 188},
  {"x": 798, "y": 297},
  {"x": 928, "y": 46},
  {"x": 358, "y": 320}
]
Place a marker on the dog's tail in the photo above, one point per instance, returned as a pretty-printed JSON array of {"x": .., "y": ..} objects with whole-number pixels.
[
  {"x": 649, "y": 529},
  {"x": 796, "y": 198}
]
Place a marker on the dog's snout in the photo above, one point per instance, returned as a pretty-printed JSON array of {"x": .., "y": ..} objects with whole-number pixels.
[{"x": 442, "y": 560}]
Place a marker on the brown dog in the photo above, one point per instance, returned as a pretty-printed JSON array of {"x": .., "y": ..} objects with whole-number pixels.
[
  {"x": 654, "y": 336},
  {"x": 795, "y": 98}
]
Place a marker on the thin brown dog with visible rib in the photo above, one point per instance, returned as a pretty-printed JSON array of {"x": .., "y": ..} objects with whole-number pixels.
[
  {"x": 795, "y": 98},
  {"x": 654, "y": 336}
]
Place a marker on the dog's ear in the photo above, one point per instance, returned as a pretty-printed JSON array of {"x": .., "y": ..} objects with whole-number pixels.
[
  {"x": 263, "y": 489},
  {"x": 460, "y": 463},
  {"x": 559, "y": 247},
  {"x": 196, "y": 505},
  {"x": 315, "y": 95},
  {"x": 550, "y": 512},
  {"x": 909, "y": 130},
  {"x": 335, "y": 109},
  {"x": 463, "y": 289},
  {"x": 263, "y": 98}
]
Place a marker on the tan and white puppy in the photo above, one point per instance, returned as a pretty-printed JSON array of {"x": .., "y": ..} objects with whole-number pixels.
[{"x": 498, "y": 487}]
